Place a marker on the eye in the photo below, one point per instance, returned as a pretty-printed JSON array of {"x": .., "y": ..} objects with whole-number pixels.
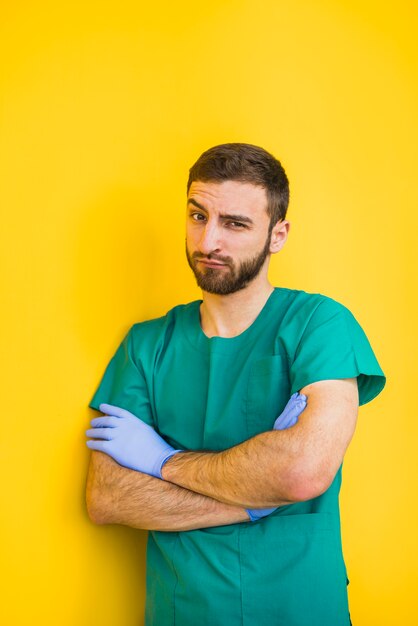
[
  {"x": 197, "y": 217},
  {"x": 236, "y": 225}
]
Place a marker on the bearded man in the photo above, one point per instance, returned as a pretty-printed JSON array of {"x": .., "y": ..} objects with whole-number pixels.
[{"x": 226, "y": 421}]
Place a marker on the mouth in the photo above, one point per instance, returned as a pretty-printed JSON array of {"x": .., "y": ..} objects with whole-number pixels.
[{"x": 212, "y": 264}]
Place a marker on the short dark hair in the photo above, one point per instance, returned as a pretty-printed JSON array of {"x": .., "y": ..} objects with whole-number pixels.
[{"x": 245, "y": 163}]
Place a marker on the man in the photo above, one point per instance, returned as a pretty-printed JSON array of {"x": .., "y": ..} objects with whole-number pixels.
[{"x": 227, "y": 420}]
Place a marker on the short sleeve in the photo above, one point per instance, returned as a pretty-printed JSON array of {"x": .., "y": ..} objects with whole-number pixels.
[
  {"x": 123, "y": 384},
  {"x": 333, "y": 345}
]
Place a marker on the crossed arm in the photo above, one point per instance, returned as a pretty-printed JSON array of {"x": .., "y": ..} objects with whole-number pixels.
[
  {"x": 117, "y": 495},
  {"x": 207, "y": 489}
]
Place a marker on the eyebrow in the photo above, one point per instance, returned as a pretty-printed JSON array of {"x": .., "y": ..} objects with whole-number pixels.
[{"x": 225, "y": 216}]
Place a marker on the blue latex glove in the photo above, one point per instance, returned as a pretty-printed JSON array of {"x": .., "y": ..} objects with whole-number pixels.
[
  {"x": 287, "y": 418},
  {"x": 129, "y": 441}
]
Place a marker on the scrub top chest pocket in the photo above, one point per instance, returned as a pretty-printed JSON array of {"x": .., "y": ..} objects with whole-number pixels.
[{"x": 268, "y": 392}]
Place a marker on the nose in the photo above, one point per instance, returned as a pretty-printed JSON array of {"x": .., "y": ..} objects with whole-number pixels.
[{"x": 210, "y": 238}]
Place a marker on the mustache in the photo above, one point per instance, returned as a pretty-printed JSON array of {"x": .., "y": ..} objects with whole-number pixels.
[{"x": 212, "y": 257}]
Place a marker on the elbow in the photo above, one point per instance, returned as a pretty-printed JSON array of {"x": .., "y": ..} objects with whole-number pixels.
[
  {"x": 305, "y": 485},
  {"x": 98, "y": 494},
  {"x": 96, "y": 513},
  {"x": 98, "y": 503},
  {"x": 96, "y": 510}
]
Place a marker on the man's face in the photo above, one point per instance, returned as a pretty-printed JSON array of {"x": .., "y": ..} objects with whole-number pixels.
[{"x": 227, "y": 234}]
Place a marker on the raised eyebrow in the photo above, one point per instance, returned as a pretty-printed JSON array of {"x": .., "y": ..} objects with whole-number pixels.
[
  {"x": 196, "y": 203},
  {"x": 224, "y": 216},
  {"x": 236, "y": 218}
]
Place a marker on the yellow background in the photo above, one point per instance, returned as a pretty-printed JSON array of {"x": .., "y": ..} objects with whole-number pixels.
[{"x": 104, "y": 107}]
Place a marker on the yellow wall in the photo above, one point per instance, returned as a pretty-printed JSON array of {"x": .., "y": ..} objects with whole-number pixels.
[{"x": 105, "y": 105}]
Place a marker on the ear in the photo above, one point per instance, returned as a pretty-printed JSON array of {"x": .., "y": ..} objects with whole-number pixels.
[{"x": 279, "y": 235}]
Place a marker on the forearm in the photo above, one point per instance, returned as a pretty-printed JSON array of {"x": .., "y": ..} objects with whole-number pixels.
[
  {"x": 260, "y": 472},
  {"x": 117, "y": 495},
  {"x": 281, "y": 466}
]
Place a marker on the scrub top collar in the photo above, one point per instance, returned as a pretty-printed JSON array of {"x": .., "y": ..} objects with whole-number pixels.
[{"x": 192, "y": 328}]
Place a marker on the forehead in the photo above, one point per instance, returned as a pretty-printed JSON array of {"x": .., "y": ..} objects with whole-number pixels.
[{"x": 229, "y": 194}]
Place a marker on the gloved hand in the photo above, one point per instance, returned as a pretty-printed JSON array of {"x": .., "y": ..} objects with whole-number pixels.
[
  {"x": 287, "y": 418},
  {"x": 129, "y": 441}
]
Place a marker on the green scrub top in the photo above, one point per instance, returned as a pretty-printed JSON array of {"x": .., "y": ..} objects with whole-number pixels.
[{"x": 203, "y": 393}]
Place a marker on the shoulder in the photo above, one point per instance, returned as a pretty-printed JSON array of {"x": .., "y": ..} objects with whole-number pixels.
[
  {"x": 305, "y": 307},
  {"x": 310, "y": 299},
  {"x": 151, "y": 332}
]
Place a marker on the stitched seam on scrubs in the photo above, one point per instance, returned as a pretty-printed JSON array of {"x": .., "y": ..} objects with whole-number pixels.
[
  {"x": 240, "y": 529},
  {"x": 130, "y": 354},
  {"x": 304, "y": 330},
  {"x": 360, "y": 371},
  {"x": 177, "y": 578},
  {"x": 355, "y": 361},
  {"x": 351, "y": 346},
  {"x": 139, "y": 366}
]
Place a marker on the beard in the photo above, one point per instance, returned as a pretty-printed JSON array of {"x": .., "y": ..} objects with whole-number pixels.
[{"x": 229, "y": 279}]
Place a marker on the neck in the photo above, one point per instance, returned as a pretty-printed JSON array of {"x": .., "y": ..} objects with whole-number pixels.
[{"x": 231, "y": 315}]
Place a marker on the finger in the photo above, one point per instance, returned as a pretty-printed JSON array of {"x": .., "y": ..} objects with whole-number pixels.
[
  {"x": 101, "y": 433},
  {"x": 290, "y": 413},
  {"x": 300, "y": 399},
  {"x": 282, "y": 424},
  {"x": 108, "y": 421},
  {"x": 293, "y": 408},
  {"x": 101, "y": 446},
  {"x": 116, "y": 411},
  {"x": 289, "y": 416},
  {"x": 292, "y": 422},
  {"x": 297, "y": 397},
  {"x": 288, "y": 422}
]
